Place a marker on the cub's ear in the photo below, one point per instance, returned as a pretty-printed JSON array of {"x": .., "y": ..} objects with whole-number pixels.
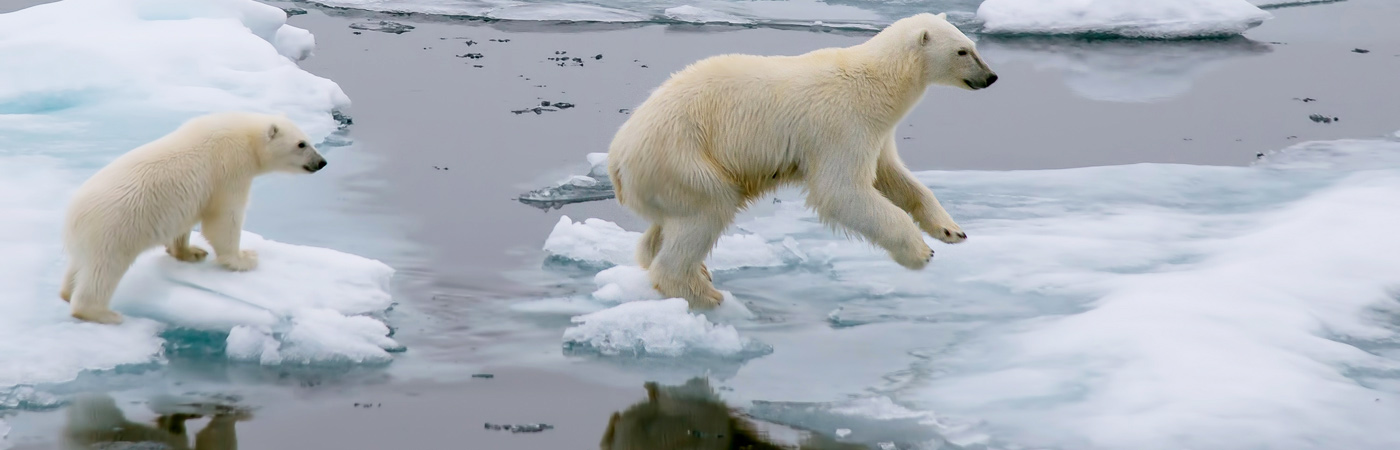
[
  {"x": 942, "y": 15},
  {"x": 272, "y": 132},
  {"x": 924, "y": 38}
]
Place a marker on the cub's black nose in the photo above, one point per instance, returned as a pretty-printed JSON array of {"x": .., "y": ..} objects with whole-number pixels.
[{"x": 991, "y": 79}]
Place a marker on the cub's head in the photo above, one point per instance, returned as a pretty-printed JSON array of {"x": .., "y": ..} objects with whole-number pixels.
[
  {"x": 288, "y": 149},
  {"x": 950, "y": 58}
]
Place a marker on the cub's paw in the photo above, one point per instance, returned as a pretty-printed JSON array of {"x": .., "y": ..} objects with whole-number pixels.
[
  {"x": 245, "y": 260},
  {"x": 190, "y": 254},
  {"x": 914, "y": 257}
]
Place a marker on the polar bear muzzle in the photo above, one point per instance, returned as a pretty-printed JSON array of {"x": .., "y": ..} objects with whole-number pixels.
[{"x": 315, "y": 165}]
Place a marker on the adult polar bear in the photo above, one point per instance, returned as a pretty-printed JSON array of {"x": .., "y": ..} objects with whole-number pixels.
[
  {"x": 730, "y": 128},
  {"x": 155, "y": 194}
]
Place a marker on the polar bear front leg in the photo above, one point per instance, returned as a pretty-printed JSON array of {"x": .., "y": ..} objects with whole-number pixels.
[
  {"x": 181, "y": 249},
  {"x": 893, "y": 179},
  {"x": 222, "y": 226},
  {"x": 843, "y": 194}
]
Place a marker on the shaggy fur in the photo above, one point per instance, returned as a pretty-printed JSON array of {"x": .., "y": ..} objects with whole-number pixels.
[
  {"x": 730, "y": 128},
  {"x": 155, "y": 194}
]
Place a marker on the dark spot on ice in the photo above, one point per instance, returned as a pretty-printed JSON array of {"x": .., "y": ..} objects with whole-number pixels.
[
  {"x": 354, "y": 32},
  {"x": 563, "y": 105},
  {"x": 1319, "y": 118},
  {"x": 470, "y": 42},
  {"x": 483, "y": 375},
  {"x": 472, "y": 56},
  {"x": 1305, "y": 99},
  {"x": 525, "y": 428},
  {"x": 598, "y": 56},
  {"x": 293, "y": 11},
  {"x": 1360, "y": 50},
  {"x": 544, "y": 103},
  {"x": 624, "y": 111},
  {"x": 478, "y": 66},
  {"x": 1258, "y": 156}
]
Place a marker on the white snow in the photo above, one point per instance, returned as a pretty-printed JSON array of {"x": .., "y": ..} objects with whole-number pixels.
[
  {"x": 114, "y": 63},
  {"x": 597, "y": 242},
  {"x": 664, "y": 328},
  {"x": 1129, "y": 18},
  {"x": 102, "y": 77},
  {"x": 299, "y": 298}
]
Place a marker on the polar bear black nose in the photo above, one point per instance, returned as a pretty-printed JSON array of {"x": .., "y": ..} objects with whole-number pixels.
[
  {"x": 313, "y": 167},
  {"x": 991, "y": 79}
]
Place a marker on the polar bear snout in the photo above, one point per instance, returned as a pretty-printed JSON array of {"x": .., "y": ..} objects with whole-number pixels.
[
  {"x": 316, "y": 164},
  {"x": 983, "y": 83}
]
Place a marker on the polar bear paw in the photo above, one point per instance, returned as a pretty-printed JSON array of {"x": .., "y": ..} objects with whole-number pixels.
[
  {"x": 949, "y": 234},
  {"x": 102, "y": 316},
  {"x": 914, "y": 257},
  {"x": 244, "y": 261},
  {"x": 190, "y": 254}
]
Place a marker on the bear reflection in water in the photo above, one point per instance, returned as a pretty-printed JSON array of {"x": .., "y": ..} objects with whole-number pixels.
[
  {"x": 692, "y": 417},
  {"x": 95, "y": 421}
]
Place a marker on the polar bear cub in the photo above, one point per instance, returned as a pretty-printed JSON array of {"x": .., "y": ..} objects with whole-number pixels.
[
  {"x": 155, "y": 194},
  {"x": 730, "y": 128}
]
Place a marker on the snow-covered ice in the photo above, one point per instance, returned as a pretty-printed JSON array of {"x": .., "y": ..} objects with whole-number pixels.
[
  {"x": 106, "y": 76},
  {"x": 298, "y": 301},
  {"x": 599, "y": 243},
  {"x": 663, "y": 328},
  {"x": 1127, "y": 18},
  {"x": 1146, "y": 306}
]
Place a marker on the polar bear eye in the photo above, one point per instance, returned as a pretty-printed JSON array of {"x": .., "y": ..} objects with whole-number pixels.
[
  {"x": 962, "y": 52},
  {"x": 301, "y": 144}
]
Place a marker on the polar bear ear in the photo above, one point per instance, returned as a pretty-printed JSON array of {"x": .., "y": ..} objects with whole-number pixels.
[
  {"x": 272, "y": 132},
  {"x": 942, "y": 15}
]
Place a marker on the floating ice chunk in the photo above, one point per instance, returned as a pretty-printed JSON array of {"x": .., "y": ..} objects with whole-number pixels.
[
  {"x": 599, "y": 243},
  {"x": 306, "y": 298},
  {"x": 594, "y": 186},
  {"x": 687, "y": 13},
  {"x": 294, "y": 43},
  {"x": 623, "y": 284},
  {"x": 593, "y": 241},
  {"x": 664, "y": 328},
  {"x": 289, "y": 277},
  {"x": 1127, "y": 18},
  {"x": 314, "y": 336},
  {"x": 1266, "y": 4},
  {"x": 158, "y": 62},
  {"x": 1122, "y": 70},
  {"x": 566, "y": 12}
]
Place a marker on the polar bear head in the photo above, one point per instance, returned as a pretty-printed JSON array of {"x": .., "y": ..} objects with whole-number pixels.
[
  {"x": 287, "y": 149},
  {"x": 949, "y": 58}
]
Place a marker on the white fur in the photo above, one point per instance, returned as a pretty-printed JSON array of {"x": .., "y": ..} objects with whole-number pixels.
[
  {"x": 155, "y": 194},
  {"x": 728, "y": 129}
]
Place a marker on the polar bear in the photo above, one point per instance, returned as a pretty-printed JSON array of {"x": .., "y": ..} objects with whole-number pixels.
[
  {"x": 155, "y": 194},
  {"x": 730, "y": 128}
]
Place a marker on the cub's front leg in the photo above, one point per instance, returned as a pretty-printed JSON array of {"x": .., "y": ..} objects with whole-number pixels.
[{"x": 222, "y": 226}]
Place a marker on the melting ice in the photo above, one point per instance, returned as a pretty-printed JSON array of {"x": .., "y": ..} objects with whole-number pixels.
[
  {"x": 1125, "y": 18},
  {"x": 119, "y": 73},
  {"x": 1145, "y": 306}
]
